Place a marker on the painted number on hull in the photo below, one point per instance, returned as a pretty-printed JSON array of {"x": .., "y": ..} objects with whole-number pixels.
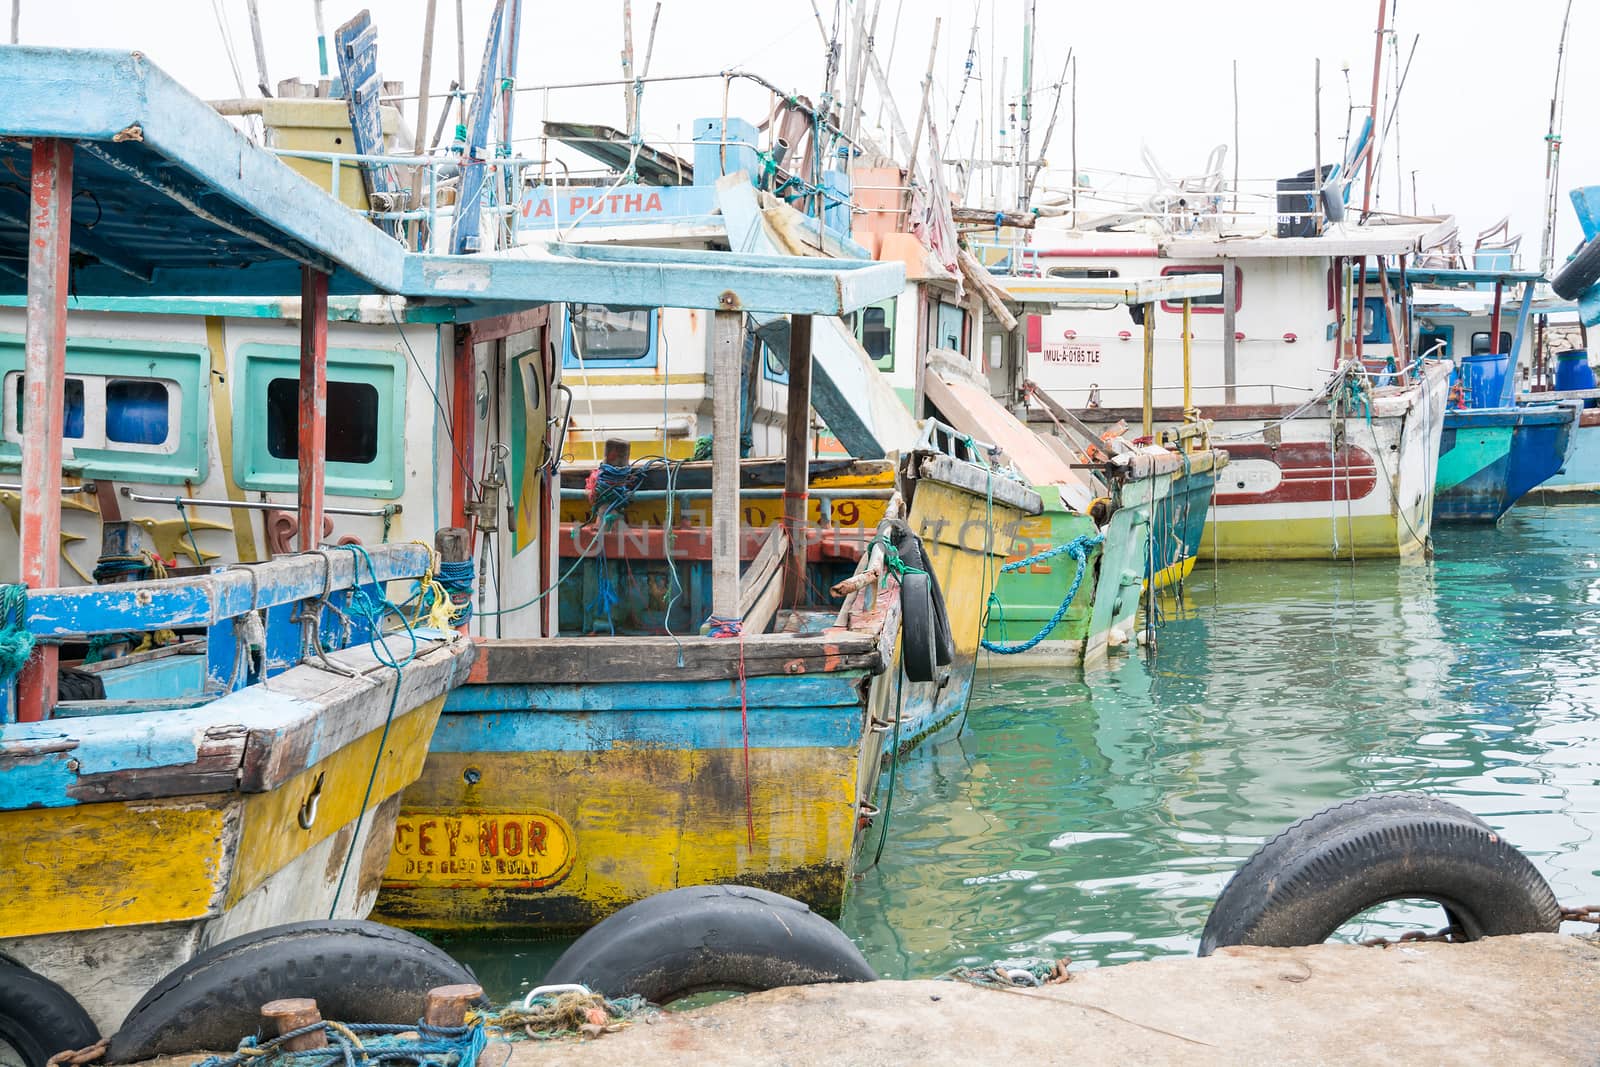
[
  {"x": 1074, "y": 354},
  {"x": 524, "y": 849}
]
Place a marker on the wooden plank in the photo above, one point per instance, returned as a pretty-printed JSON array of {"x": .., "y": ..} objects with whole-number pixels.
[
  {"x": 763, "y": 582},
  {"x": 797, "y": 458},
  {"x": 576, "y": 660},
  {"x": 979, "y": 481},
  {"x": 313, "y": 403},
  {"x": 43, "y": 386},
  {"x": 727, "y": 354}
]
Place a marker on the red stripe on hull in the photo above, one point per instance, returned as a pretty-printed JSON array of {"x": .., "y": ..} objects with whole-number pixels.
[{"x": 1307, "y": 476}]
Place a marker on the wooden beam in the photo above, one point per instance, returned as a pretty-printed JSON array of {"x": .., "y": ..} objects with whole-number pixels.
[
  {"x": 1230, "y": 343},
  {"x": 463, "y": 426},
  {"x": 1148, "y": 420},
  {"x": 313, "y": 403},
  {"x": 44, "y": 390},
  {"x": 727, "y": 356},
  {"x": 797, "y": 458}
]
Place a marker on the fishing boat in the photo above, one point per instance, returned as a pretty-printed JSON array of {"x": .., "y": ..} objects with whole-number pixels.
[
  {"x": 240, "y": 767},
  {"x": 1326, "y": 459},
  {"x": 1495, "y": 449}
]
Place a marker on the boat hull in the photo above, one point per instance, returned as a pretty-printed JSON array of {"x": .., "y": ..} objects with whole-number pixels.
[
  {"x": 557, "y": 792},
  {"x": 1490, "y": 458},
  {"x": 1578, "y": 481},
  {"x": 1319, "y": 488}
]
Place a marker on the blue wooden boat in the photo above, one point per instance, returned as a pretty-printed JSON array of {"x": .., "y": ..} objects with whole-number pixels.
[
  {"x": 244, "y": 769},
  {"x": 1494, "y": 449}
]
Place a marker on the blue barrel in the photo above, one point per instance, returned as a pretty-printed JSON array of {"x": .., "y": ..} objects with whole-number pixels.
[
  {"x": 1483, "y": 378},
  {"x": 1573, "y": 371}
]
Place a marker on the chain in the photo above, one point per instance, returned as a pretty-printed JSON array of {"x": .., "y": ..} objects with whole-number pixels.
[
  {"x": 1589, "y": 913},
  {"x": 1451, "y": 934}
]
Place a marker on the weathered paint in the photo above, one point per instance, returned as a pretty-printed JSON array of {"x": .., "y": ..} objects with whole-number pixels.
[
  {"x": 273, "y": 830},
  {"x": 1491, "y": 458},
  {"x": 1369, "y": 536},
  {"x": 119, "y": 864},
  {"x": 481, "y": 849},
  {"x": 644, "y": 820}
]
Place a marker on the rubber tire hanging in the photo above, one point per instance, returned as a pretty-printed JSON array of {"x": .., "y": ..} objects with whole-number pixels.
[
  {"x": 1301, "y": 886},
  {"x": 38, "y": 1018},
  {"x": 699, "y": 939},
  {"x": 1580, "y": 272},
  {"x": 357, "y": 971}
]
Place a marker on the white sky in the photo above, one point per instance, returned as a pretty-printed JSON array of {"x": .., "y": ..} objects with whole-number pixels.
[{"x": 1156, "y": 72}]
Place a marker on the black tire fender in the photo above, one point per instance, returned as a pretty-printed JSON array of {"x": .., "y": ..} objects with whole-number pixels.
[
  {"x": 357, "y": 971},
  {"x": 915, "y": 556},
  {"x": 919, "y": 641},
  {"x": 1302, "y": 885},
  {"x": 1575, "y": 277},
  {"x": 38, "y": 1018},
  {"x": 714, "y": 937}
]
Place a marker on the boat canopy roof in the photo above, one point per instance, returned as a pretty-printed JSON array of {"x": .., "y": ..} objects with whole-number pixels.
[
  {"x": 1085, "y": 292},
  {"x": 172, "y": 200},
  {"x": 1341, "y": 239},
  {"x": 1446, "y": 277}
]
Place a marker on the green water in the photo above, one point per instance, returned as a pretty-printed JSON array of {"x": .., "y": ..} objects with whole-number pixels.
[{"x": 1097, "y": 818}]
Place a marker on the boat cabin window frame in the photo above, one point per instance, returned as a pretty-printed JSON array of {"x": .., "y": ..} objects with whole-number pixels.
[
  {"x": 112, "y": 409},
  {"x": 857, "y": 322},
  {"x": 1476, "y": 347},
  {"x": 1204, "y": 305},
  {"x": 1093, "y": 273},
  {"x": 262, "y": 460},
  {"x": 1374, "y": 321},
  {"x": 600, "y": 359},
  {"x": 937, "y": 333}
]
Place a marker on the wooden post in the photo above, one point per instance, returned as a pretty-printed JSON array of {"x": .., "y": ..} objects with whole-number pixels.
[
  {"x": 463, "y": 425},
  {"x": 289, "y": 1014},
  {"x": 454, "y": 545},
  {"x": 618, "y": 453},
  {"x": 1494, "y": 319},
  {"x": 447, "y": 1004},
  {"x": 44, "y": 388},
  {"x": 727, "y": 356},
  {"x": 1149, "y": 369},
  {"x": 1230, "y": 343},
  {"x": 1189, "y": 413},
  {"x": 797, "y": 459},
  {"x": 313, "y": 403}
]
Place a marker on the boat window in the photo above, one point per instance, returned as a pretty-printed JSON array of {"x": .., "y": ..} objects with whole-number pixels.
[
  {"x": 597, "y": 332},
  {"x": 132, "y": 411},
  {"x": 1374, "y": 322},
  {"x": 1087, "y": 272},
  {"x": 1435, "y": 341},
  {"x": 1205, "y": 305},
  {"x": 71, "y": 402},
  {"x": 352, "y": 433},
  {"x": 1480, "y": 343},
  {"x": 137, "y": 411},
  {"x": 950, "y": 327},
  {"x": 365, "y": 445}
]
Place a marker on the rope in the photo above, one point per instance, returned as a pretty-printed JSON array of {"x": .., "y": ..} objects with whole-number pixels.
[
  {"x": 417, "y": 1043},
  {"x": 16, "y": 641},
  {"x": 455, "y": 580},
  {"x": 562, "y": 1012},
  {"x": 1078, "y": 549}
]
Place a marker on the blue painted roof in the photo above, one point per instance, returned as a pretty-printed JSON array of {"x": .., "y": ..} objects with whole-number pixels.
[
  {"x": 1456, "y": 276},
  {"x": 171, "y": 200}
]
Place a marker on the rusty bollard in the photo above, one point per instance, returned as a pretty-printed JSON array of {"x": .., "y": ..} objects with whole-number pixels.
[
  {"x": 447, "y": 1005},
  {"x": 290, "y": 1014}
]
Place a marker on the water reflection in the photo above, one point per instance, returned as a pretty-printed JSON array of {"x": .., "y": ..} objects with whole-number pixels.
[{"x": 1100, "y": 818}]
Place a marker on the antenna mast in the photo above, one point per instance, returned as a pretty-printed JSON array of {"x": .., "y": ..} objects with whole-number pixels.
[{"x": 1552, "y": 151}]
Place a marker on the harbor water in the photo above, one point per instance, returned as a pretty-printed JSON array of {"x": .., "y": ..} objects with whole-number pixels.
[{"x": 1097, "y": 818}]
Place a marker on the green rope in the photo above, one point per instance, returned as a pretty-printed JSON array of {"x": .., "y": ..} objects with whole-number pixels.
[
  {"x": 702, "y": 447},
  {"x": 16, "y": 642}
]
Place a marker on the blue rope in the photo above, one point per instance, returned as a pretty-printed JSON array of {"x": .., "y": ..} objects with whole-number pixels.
[
  {"x": 435, "y": 1046},
  {"x": 1078, "y": 549},
  {"x": 721, "y": 627},
  {"x": 16, "y": 641},
  {"x": 456, "y": 579}
]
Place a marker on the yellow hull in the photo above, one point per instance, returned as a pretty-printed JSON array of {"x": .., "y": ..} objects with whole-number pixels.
[
  {"x": 1368, "y": 536},
  {"x": 137, "y": 863},
  {"x": 614, "y": 826}
]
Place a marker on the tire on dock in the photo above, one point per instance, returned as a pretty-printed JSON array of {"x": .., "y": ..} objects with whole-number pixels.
[
  {"x": 38, "y": 1018},
  {"x": 699, "y": 939},
  {"x": 357, "y": 971},
  {"x": 1302, "y": 885}
]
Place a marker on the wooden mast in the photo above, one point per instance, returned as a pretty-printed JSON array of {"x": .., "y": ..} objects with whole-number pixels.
[
  {"x": 727, "y": 357},
  {"x": 313, "y": 403},
  {"x": 797, "y": 459}
]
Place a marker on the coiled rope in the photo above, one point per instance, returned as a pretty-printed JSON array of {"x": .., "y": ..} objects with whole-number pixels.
[
  {"x": 355, "y": 1044},
  {"x": 16, "y": 641},
  {"x": 1078, "y": 549}
]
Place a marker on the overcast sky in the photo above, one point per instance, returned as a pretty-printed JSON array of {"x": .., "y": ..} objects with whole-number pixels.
[{"x": 1471, "y": 123}]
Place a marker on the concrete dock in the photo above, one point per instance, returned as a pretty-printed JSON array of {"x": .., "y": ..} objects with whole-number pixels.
[{"x": 1507, "y": 1001}]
